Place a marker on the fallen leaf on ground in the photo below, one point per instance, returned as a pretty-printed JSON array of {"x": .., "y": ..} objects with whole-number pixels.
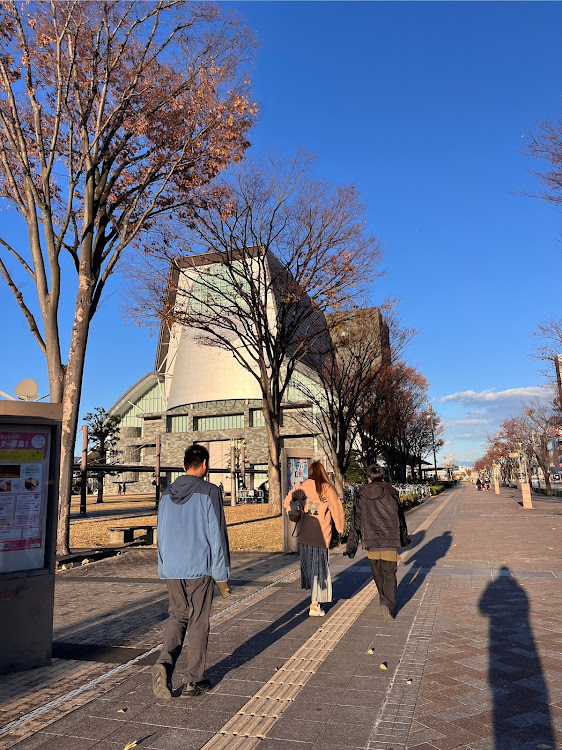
[
  {"x": 383, "y": 665},
  {"x": 130, "y": 745},
  {"x": 121, "y": 710},
  {"x": 408, "y": 682},
  {"x": 370, "y": 651}
]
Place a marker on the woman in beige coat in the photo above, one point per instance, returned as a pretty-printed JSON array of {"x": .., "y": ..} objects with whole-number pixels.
[{"x": 318, "y": 504}]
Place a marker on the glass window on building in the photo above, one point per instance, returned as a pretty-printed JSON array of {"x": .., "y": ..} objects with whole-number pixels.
[
  {"x": 219, "y": 422},
  {"x": 256, "y": 418},
  {"x": 260, "y": 474},
  {"x": 218, "y": 285},
  {"x": 171, "y": 476},
  {"x": 177, "y": 423},
  {"x": 150, "y": 402}
]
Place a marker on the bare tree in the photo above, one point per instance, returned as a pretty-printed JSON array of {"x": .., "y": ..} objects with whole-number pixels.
[
  {"x": 103, "y": 438},
  {"x": 386, "y": 427},
  {"x": 525, "y": 432},
  {"x": 549, "y": 350},
  {"x": 546, "y": 144},
  {"x": 111, "y": 115},
  {"x": 346, "y": 374},
  {"x": 271, "y": 253}
]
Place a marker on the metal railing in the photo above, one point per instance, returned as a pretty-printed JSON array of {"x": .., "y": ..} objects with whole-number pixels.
[{"x": 421, "y": 491}]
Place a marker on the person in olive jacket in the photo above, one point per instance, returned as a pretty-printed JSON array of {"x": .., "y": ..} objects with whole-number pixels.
[{"x": 378, "y": 520}]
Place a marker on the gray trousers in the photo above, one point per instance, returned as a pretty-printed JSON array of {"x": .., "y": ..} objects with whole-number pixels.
[
  {"x": 189, "y": 606},
  {"x": 384, "y": 575}
]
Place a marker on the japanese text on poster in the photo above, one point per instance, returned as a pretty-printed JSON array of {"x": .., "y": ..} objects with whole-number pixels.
[{"x": 23, "y": 475}]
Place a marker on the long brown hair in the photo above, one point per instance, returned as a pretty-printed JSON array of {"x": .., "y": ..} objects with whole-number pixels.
[{"x": 318, "y": 473}]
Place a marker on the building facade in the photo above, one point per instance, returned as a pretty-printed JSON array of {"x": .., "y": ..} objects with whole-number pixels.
[{"x": 199, "y": 393}]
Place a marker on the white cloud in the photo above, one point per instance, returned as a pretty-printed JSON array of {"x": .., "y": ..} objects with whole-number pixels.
[
  {"x": 465, "y": 436},
  {"x": 491, "y": 395},
  {"x": 467, "y": 421}
]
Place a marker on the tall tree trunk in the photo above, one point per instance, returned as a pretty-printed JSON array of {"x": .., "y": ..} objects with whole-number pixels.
[
  {"x": 544, "y": 467},
  {"x": 274, "y": 459},
  {"x": 71, "y": 404},
  {"x": 338, "y": 474},
  {"x": 100, "y": 487}
]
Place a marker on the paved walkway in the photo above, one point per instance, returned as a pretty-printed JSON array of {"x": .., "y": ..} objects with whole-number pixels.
[{"x": 473, "y": 659}]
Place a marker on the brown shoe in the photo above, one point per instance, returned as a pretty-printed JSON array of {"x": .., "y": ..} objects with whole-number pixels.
[{"x": 161, "y": 685}]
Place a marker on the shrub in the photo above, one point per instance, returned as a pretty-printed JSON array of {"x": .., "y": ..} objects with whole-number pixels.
[{"x": 436, "y": 489}]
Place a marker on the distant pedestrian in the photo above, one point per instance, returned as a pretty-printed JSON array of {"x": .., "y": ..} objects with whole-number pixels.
[
  {"x": 264, "y": 489},
  {"x": 119, "y": 488},
  {"x": 378, "y": 520},
  {"x": 478, "y": 484},
  {"x": 314, "y": 504},
  {"x": 124, "y": 488},
  {"x": 193, "y": 553}
]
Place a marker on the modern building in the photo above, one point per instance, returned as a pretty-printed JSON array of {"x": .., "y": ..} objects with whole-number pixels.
[{"x": 200, "y": 393}]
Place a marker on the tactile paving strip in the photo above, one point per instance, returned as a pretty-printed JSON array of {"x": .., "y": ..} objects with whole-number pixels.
[
  {"x": 391, "y": 729},
  {"x": 254, "y": 720}
]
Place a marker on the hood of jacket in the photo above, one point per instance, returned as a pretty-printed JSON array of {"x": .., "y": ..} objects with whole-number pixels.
[
  {"x": 184, "y": 487},
  {"x": 376, "y": 490}
]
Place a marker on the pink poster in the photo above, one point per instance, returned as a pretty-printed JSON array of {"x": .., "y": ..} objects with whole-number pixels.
[{"x": 23, "y": 486}]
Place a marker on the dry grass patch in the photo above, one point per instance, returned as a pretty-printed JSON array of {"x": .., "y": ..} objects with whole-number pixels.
[{"x": 250, "y": 528}]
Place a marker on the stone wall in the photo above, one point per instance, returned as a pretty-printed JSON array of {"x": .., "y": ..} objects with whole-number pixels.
[{"x": 295, "y": 433}]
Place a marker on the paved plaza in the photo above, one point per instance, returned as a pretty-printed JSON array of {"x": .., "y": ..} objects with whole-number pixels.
[{"x": 473, "y": 659}]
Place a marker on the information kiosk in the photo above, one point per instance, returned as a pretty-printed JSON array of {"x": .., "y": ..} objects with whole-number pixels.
[{"x": 29, "y": 480}]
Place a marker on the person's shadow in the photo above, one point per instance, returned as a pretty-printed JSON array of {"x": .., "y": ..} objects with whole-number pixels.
[
  {"x": 420, "y": 565},
  {"x": 520, "y": 696}
]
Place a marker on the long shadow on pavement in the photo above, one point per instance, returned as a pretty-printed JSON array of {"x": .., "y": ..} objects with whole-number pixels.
[
  {"x": 420, "y": 565},
  {"x": 284, "y": 624},
  {"x": 521, "y": 710}
]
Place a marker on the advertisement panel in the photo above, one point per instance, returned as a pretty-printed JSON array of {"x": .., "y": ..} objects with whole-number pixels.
[
  {"x": 24, "y": 472},
  {"x": 297, "y": 471}
]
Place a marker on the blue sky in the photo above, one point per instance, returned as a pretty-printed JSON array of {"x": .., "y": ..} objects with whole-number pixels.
[{"x": 424, "y": 107}]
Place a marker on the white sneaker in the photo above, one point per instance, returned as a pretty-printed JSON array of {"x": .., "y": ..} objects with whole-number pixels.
[{"x": 316, "y": 611}]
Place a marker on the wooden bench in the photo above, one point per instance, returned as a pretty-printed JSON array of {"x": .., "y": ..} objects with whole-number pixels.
[{"x": 126, "y": 534}]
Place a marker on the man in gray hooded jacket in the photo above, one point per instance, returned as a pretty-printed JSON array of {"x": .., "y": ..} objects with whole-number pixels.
[{"x": 193, "y": 553}]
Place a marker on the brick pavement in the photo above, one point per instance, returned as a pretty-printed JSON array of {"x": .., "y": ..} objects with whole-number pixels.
[{"x": 473, "y": 658}]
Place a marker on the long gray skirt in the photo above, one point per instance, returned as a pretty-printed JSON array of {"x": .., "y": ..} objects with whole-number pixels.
[{"x": 315, "y": 573}]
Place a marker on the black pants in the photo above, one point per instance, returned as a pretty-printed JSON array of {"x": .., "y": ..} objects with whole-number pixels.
[
  {"x": 190, "y": 609},
  {"x": 384, "y": 575}
]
